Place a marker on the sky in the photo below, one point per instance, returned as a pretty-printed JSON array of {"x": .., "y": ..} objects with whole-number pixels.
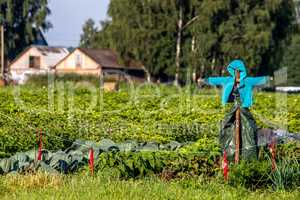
[{"x": 68, "y": 17}]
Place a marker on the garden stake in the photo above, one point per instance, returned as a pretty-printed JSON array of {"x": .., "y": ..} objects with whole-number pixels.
[
  {"x": 225, "y": 166},
  {"x": 237, "y": 122},
  {"x": 273, "y": 153},
  {"x": 36, "y": 144},
  {"x": 91, "y": 161},
  {"x": 40, "y": 146}
]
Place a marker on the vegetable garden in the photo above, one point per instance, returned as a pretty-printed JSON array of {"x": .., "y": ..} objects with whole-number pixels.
[{"x": 147, "y": 115}]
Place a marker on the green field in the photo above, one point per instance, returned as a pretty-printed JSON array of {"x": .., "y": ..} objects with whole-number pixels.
[
  {"x": 103, "y": 187},
  {"x": 66, "y": 112}
]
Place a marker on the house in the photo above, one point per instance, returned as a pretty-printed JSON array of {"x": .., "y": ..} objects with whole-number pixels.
[
  {"x": 35, "y": 59},
  {"x": 97, "y": 62}
]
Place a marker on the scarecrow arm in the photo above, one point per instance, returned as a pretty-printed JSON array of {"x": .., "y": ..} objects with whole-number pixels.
[
  {"x": 217, "y": 80},
  {"x": 255, "y": 81}
]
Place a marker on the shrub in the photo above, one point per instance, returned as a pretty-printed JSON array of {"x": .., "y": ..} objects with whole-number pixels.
[
  {"x": 168, "y": 165},
  {"x": 250, "y": 174},
  {"x": 259, "y": 174}
]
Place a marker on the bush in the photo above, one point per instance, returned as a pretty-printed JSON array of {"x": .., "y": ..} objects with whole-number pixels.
[
  {"x": 252, "y": 175},
  {"x": 259, "y": 174},
  {"x": 167, "y": 165}
]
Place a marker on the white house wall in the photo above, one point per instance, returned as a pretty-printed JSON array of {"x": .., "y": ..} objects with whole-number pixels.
[
  {"x": 48, "y": 59},
  {"x": 68, "y": 65},
  {"x": 22, "y": 63},
  {"x": 70, "y": 62},
  {"x": 19, "y": 69}
]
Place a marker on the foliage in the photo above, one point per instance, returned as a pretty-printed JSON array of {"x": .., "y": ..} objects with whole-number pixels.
[
  {"x": 142, "y": 33},
  {"x": 146, "y": 113},
  {"x": 89, "y": 33},
  {"x": 214, "y": 33},
  {"x": 22, "y": 22},
  {"x": 252, "y": 175},
  {"x": 66, "y": 111},
  {"x": 168, "y": 164},
  {"x": 259, "y": 174},
  {"x": 289, "y": 151}
]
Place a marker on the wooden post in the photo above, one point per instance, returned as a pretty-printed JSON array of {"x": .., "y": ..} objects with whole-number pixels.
[
  {"x": 2, "y": 51},
  {"x": 237, "y": 122}
]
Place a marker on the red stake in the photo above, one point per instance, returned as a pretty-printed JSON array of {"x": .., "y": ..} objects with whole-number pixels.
[
  {"x": 225, "y": 166},
  {"x": 91, "y": 161},
  {"x": 36, "y": 143},
  {"x": 40, "y": 146},
  {"x": 273, "y": 153}
]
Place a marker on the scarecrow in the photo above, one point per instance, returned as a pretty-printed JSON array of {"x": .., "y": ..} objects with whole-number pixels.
[{"x": 238, "y": 136}]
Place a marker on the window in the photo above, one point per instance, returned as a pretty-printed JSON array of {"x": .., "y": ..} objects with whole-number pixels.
[
  {"x": 35, "y": 62},
  {"x": 78, "y": 60}
]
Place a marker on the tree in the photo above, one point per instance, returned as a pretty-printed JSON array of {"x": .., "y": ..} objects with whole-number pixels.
[
  {"x": 203, "y": 34},
  {"x": 88, "y": 36},
  {"x": 22, "y": 22},
  {"x": 144, "y": 31},
  {"x": 255, "y": 31},
  {"x": 171, "y": 36}
]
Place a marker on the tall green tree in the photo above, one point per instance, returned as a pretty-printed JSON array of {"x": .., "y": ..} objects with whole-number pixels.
[
  {"x": 145, "y": 31},
  {"x": 171, "y": 36},
  {"x": 88, "y": 37},
  {"x": 255, "y": 31},
  {"x": 22, "y": 22}
]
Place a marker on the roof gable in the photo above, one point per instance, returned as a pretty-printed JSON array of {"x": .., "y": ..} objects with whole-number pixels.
[
  {"x": 52, "y": 54},
  {"x": 104, "y": 57}
]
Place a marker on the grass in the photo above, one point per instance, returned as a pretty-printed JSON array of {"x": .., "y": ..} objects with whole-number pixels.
[{"x": 104, "y": 186}]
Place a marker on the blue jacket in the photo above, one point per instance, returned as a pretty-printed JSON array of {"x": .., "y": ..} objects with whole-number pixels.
[{"x": 245, "y": 87}]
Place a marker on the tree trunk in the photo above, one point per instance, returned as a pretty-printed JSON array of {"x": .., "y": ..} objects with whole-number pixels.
[
  {"x": 148, "y": 75},
  {"x": 194, "y": 53},
  {"x": 178, "y": 45},
  {"x": 202, "y": 70},
  {"x": 2, "y": 51},
  {"x": 213, "y": 63}
]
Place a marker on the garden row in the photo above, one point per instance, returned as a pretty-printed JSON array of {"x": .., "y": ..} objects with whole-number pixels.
[{"x": 65, "y": 112}]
